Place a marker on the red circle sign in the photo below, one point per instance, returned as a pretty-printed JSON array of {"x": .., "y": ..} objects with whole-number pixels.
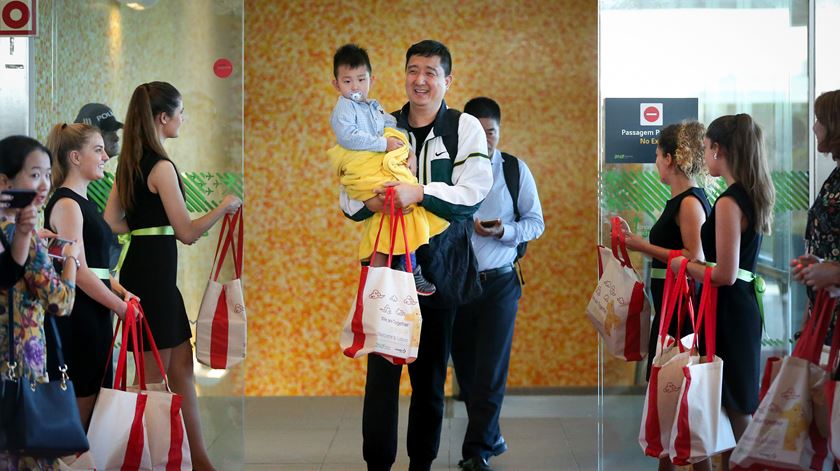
[
  {"x": 15, "y": 6},
  {"x": 651, "y": 114},
  {"x": 223, "y": 68}
]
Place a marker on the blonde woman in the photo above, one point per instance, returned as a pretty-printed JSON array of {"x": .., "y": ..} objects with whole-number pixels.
[
  {"x": 79, "y": 153},
  {"x": 734, "y": 150}
]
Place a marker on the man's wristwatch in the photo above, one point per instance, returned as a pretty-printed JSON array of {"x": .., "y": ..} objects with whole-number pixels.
[{"x": 76, "y": 260}]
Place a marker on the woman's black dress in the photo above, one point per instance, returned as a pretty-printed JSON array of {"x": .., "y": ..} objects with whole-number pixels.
[
  {"x": 738, "y": 315},
  {"x": 666, "y": 233},
  {"x": 150, "y": 269},
  {"x": 86, "y": 333}
]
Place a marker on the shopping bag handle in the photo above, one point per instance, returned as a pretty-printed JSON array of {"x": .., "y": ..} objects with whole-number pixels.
[
  {"x": 833, "y": 367},
  {"x": 707, "y": 316},
  {"x": 129, "y": 331},
  {"x": 677, "y": 298},
  {"x": 231, "y": 224},
  {"x": 810, "y": 343},
  {"x": 152, "y": 347},
  {"x": 619, "y": 242},
  {"x": 395, "y": 217}
]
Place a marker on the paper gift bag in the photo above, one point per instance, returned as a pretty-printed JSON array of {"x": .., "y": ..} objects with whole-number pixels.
[
  {"x": 783, "y": 433},
  {"x": 169, "y": 448},
  {"x": 701, "y": 427},
  {"x": 221, "y": 331},
  {"x": 117, "y": 433},
  {"x": 619, "y": 309},
  {"x": 666, "y": 374},
  {"x": 385, "y": 319}
]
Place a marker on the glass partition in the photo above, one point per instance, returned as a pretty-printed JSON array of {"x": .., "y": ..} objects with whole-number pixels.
[
  {"x": 100, "y": 51},
  {"x": 734, "y": 56}
]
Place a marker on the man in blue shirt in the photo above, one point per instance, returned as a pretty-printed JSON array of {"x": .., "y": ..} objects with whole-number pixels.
[{"x": 483, "y": 330}]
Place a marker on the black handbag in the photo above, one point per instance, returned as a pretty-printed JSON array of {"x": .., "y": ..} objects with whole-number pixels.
[{"x": 39, "y": 419}]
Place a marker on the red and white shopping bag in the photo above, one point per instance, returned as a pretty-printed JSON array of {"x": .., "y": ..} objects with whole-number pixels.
[
  {"x": 117, "y": 433},
  {"x": 168, "y": 445},
  {"x": 221, "y": 331},
  {"x": 832, "y": 394},
  {"x": 701, "y": 427},
  {"x": 783, "y": 433},
  {"x": 666, "y": 376},
  {"x": 619, "y": 308},
  {"x": 385, "y": 319}
]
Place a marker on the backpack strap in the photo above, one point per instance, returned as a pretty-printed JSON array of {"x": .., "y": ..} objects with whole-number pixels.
[
  {"x": 450, "y": 138},
  {"x": 510, "y": 168}
]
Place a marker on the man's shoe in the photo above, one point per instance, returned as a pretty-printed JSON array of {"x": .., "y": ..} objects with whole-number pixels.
[
  {"x": 475, "y": 464},
  {"x": 500, "y": 446}
]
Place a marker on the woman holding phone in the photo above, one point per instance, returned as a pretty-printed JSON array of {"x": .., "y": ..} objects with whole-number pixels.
[
  {"x": 147, "y": 201},
  {"x": 79, "y": 153},
  {"x": 13, "y": 255},
  {"x": 25, "y": 165}
]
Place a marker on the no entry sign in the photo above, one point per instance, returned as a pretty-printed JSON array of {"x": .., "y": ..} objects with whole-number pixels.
[
  {"x": 632, "y": 126},
  {"x": 18, "y": 18}
]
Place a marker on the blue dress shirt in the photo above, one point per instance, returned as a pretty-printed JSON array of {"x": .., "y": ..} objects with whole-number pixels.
[{"x": 493, "y": 252}]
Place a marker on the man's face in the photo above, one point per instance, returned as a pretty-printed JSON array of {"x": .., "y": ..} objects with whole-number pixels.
[
  {"x": 492, "y": 131},
  {"x": 425, "y": 81},
  {"x": 112, "y": 143}
]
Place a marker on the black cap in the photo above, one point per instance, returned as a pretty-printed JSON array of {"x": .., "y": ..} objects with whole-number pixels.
[{"x": 100, "y": 116}]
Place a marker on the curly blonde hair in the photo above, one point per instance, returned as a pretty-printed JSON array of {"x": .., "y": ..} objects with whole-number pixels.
[{"x": 684, "y": 141}]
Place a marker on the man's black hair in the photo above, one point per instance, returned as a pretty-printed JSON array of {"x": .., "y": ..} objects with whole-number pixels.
[
  {"x": 429, "y": 48},
  {"x": 352, "y": 56},
  {"x": 483, "y": 107}
]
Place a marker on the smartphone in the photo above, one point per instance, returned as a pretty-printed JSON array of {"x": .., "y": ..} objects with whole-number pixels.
[
  {"x": 490, "y": 223},
  {"x": 56, "y": 247},
  {"x": 20, "y": 198}
]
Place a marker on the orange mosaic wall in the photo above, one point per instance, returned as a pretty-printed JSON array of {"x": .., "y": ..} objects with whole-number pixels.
[{"x": 537, "y": 59}]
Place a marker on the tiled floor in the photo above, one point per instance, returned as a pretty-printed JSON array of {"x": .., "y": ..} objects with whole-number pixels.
[{"x": 545, "y": 433}]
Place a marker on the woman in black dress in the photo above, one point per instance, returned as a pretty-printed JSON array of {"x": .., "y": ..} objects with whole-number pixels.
[
  {"x": 147, "y": 200},
  {"x": 80, "y": 157},
  {"x": 731, "y": 238},
  {"x": 679, "y": 161}
]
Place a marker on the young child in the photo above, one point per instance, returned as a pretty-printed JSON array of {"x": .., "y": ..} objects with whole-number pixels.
[{"x": 371, "y": 152}]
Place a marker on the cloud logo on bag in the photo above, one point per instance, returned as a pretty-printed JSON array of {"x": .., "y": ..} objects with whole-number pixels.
[
  {"x": 375, "y": 294},
  {"x": 239, "y": 309},
  {"x": 789, "y": 394},
  {"x": 410, "y": 301},
  {"x": 400, "y": 312},
  {"x": 671, "y": 388},
  {"x": 386, "y": 309},
  {"x": 393, "y": 298}
]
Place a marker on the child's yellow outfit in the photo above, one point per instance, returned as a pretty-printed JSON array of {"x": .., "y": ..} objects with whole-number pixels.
[{"x": 362, "y": 172}]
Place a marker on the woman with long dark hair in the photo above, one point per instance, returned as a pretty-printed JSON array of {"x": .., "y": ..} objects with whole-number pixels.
[
  {"x": 742, "y": 214},
  {"x": 147, "y": 201}
]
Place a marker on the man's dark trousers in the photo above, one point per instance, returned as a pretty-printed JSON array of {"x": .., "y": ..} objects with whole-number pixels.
[
  {"x": 482, "y": 339},
  {"x": 381, "y": 406}
]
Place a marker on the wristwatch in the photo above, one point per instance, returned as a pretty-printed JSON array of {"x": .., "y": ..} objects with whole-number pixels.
[{"x": 74, "y": 259}]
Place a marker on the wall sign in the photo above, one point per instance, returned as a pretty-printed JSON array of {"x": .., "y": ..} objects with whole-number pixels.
[
  {"x": 632, "y": 126},
  {"x": 18, "y": 18}
]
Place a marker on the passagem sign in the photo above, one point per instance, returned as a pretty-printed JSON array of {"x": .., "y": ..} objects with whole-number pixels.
[
  {"x": 632, "y": 126},
  {"x": 18, "y": 18}
]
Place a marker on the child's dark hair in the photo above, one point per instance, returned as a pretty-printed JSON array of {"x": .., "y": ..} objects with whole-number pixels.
[
  {"x": 483, "y": 107},
  {"x": 13, "y": 153},
  {"x": 352, "y": 56},
  {"x": 429, "y": 48}
]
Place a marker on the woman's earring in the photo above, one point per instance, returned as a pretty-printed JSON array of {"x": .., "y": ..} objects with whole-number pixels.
[{"x": 715, "y": 156}]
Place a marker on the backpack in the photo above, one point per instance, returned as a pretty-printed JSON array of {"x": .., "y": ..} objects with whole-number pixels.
[{"x": 510, "y": 168}]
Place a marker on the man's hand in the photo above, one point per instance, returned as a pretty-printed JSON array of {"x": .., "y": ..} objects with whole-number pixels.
[
  {"x": 821, "y": 275},
  {"x": 405, "y": 194},
  {"x": 493, "y": 228},
  {"x": 392, "y": 143}
]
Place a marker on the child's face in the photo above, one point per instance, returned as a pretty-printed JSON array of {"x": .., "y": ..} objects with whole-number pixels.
[{"x": 353, "y": 83}]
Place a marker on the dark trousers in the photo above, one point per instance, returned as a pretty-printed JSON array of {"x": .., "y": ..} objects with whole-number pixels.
[
  {"x": 482, "y": 338},
  {"x": 425, "y": 415}
]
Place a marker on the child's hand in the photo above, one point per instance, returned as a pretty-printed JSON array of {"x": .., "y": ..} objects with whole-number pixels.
[{"x": 392, "y": 144}]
